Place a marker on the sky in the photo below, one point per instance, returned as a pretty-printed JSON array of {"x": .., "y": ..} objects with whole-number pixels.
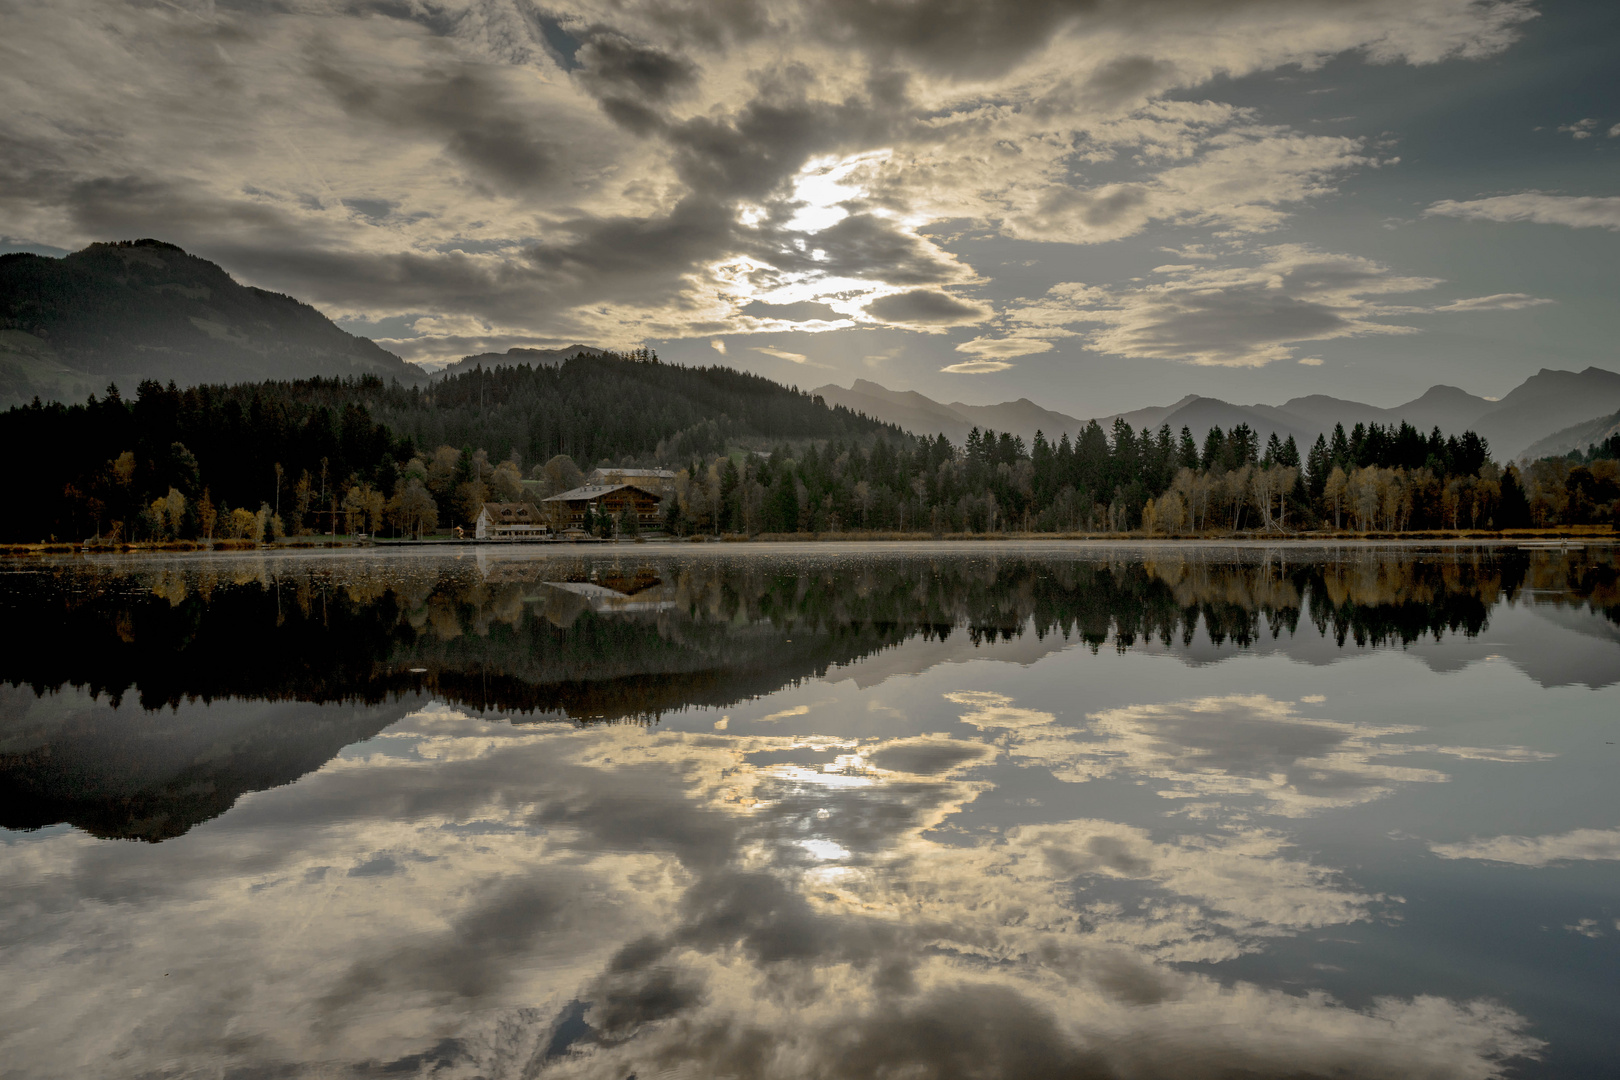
[{"x": 1096, "y": 204}]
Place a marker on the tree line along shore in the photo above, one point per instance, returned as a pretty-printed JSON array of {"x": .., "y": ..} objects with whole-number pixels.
[{"x": 315, "y": 460}]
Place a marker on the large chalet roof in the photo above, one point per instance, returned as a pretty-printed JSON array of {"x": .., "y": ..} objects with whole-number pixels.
[
  {"x": 592, "y": 492},
  {"x": 601, "y": 475}
]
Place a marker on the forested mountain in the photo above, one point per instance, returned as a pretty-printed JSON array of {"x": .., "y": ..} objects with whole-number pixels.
[
  {"x": 143, "y": 309},
  {"x": 514, "y": 357},
  {"x": 296, "y": 446}
]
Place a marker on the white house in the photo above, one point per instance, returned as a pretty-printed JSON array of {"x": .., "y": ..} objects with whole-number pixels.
[{"x": 509, "y": 521}]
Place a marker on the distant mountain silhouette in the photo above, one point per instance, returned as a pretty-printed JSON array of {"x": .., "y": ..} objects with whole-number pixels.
[
  {"x": 1524, "y": 421},
  {"x": 925, "y": 416},
  {"x": 1546, "y": 402},
  {"x": 143, "y": 309},
  {"x": 1446, "y": 407}
]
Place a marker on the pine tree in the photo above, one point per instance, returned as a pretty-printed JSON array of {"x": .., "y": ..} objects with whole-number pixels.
[
  {"x": 1187, "y": 454},
  {"x": 1289, "y": 458},
  {"x": 1318, "y": 463},
  {"x": 1339, "y": 449}
]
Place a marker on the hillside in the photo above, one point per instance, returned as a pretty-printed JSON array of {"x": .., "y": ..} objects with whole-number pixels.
[
  {"x": 1576, "y": 437},
  {"x": 600, "y": 405},
  {"x": 514, "y": 357},
  {"x": 144, "y": 309}
]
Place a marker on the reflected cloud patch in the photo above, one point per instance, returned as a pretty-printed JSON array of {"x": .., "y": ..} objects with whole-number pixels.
[
  {"x": 1577, "y": 845},
  {"x": 1235, "y": 747}
]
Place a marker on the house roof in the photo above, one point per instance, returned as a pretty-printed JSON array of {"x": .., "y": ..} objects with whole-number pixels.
[
  {"x": 509, "y": 511},
  {"x": 592, "y": 492}
]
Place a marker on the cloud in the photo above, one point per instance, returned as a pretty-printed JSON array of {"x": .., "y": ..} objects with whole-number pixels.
[
  {"x": 1239, "y": 181},
  {"x": 1580, "y": 129},
  {"x": 1576, "y": 211},
  {"x": 795, "y": 314},
  {"x": 1245, "y": 316},
  {"x": 718, "y": 346},
  {"x": 976, "y": 367},
  {"x": 1004, "y": 347},
  {"x": 782, "y": 354},
  {"x": 1577, "y": 845},
  {"x": 1496, "y": 302},
  {"x": 1311, "y": 361},
  {"x": 924, "y": 308}
]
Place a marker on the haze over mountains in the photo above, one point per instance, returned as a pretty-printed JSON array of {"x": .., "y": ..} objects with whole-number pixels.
[
  {"x": 145, "y": 309},
  {"x": 1551, "y": 411}
]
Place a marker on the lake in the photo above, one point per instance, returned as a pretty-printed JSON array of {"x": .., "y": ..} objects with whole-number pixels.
[{"x": 906, "y": 810}]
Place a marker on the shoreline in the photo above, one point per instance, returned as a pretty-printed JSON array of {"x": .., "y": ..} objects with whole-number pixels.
[{"x": 1549, "y": 539}]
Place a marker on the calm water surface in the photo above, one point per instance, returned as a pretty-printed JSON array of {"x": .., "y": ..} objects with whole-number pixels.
[{"x": 908, "y": 812}]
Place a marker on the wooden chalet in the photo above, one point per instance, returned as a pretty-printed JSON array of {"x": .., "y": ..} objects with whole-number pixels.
[
  {"x": 567, "y": 511},
  {"x": 510, "y": 521}
]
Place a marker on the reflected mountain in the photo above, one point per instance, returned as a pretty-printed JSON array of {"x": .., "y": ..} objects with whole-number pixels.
[
  {"x": 231, "y": 659},
  {"x": 152, "y": 775}
]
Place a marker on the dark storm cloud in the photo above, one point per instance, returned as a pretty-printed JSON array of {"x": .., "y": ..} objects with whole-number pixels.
[
  {"x": 957, "y": 37},
  {"x": 483, "y": 127},
  {"x": 612, "y": 64},
  {"x": 591, "y": 260},
  {"x": 179, "y": 210},
  {"x": 1127, "y": 78},
  {"x": 632, "y": 82},
  {"x": 626, "y": 257},
  {"x": 925, "y": 307},
  {"x": 712, "y": 24},
  {"x": 804, "y": 311},
  {"x": 862, "y": 246},
  {"x": 750, "y": 155}
]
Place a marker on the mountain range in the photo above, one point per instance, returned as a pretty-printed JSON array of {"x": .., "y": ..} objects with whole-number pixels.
[
  {"x": 1550, "y": 412},
  {"x": 143, "y": 309}
]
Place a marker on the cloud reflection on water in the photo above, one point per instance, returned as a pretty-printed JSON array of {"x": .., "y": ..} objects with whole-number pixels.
[
  {"x": 717, "y": 904},
  {"x": 1240, "y": 746}
]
